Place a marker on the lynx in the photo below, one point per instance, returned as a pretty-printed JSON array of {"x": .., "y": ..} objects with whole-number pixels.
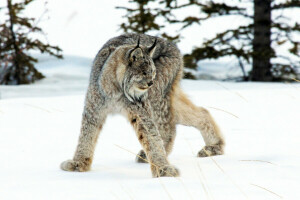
[{"x": 138, "y": 75}]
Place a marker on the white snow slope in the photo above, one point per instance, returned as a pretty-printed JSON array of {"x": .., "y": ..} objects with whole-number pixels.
[{"x": 39, "y": 128}]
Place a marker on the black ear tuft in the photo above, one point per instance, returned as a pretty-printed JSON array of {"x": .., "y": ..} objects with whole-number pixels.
[
  {"x": 138, "y": 43},
  {"x": 153, "y": 46},
  {"x": 132, "y": 50}
]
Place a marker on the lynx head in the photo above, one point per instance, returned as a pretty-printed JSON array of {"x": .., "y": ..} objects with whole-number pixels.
[{"x": 139, "y": 71}]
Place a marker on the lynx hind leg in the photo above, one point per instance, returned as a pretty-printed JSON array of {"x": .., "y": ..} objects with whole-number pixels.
[{"x": 190, "y": 115}]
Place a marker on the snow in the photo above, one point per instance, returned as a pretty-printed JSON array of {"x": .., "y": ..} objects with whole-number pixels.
[{"x": 40, "y": 126}]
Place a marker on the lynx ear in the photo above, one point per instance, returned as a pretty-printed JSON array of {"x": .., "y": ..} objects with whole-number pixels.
[
  {"x": 136, "y": 52},
  {"x": 152, "y": 48}
]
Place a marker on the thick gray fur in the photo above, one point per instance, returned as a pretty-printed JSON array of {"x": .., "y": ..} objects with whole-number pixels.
[{"x": 141, "y": 81}]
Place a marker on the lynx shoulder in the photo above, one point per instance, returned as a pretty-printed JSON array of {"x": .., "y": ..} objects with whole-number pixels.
[{"x": 138, "y": 75}]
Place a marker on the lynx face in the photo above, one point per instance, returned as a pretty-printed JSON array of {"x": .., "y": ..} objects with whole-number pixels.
[{"x": 140, "y": 72}]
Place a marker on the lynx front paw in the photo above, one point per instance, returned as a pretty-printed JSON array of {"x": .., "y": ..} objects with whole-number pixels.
[
  {"x": 167, "y": 171},
  {"x": 141, "y": 157},
  {"x": 71, "y": 165},
  {"x": 211, "y": 151}
]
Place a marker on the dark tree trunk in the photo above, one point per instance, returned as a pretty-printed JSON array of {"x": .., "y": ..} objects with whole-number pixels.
[
  {"x": 262, "y": 51},
  {"x": 16, "y": 59}
]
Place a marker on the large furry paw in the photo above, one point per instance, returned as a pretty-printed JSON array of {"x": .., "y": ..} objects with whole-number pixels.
[
  {"x": 71, "y": 165},
  {"x": 211, "y": 151},
  {"x": 141, "y": 157},
  {"x": 167, "y": 171}
]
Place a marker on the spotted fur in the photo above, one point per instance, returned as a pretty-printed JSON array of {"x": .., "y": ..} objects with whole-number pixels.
[{"x": 138, "y": 75}]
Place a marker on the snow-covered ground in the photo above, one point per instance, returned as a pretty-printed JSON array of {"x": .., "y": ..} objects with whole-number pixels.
[
  {"x": 39, "y": 128},
  {"x": 39, "y": 125}
]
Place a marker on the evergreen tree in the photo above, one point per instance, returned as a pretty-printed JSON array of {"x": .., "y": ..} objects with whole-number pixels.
[
  {"x": 247, "y": 43},
  {"x": 16, "y": 65},
  {"x": 143, "y": 17}
]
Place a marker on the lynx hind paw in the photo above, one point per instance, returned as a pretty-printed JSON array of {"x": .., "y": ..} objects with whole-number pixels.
[
  {"x": 71, "y": 165},
  {"x": 166, "y": 171},
  {"x": 211, "y": 151},
  {"x": 141, "y": 157}
]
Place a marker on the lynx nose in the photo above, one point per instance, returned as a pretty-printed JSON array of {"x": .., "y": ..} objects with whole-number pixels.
[{"x": 150, "y": 83}]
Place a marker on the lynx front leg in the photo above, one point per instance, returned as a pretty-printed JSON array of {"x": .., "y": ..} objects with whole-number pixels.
[
  {"x": 190, "y": 115},
  {"x": 168, "y": 133},
  {"x": 153, "y": 145},
  {"x": 167, "y": 129},
  {"x": 92, "y": 121}
]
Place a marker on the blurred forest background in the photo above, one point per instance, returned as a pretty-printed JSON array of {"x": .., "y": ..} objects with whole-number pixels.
[{"x": 261, "y": 39}]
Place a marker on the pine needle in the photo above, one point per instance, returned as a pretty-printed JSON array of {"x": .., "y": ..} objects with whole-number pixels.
[
  {"x": 224, "y": 111},
  {"x": 207, "y": 193},
  {"x": 232, "y": 181},
  {"x": 132, "y": 153},
  {"x": 204, "y": 186},
  {"x": 258, "y": 161},
  {"x": 238, "y": 94},
  {"x": 184, "y": 186},
  {"x": 164, "y": 187},
  {"x": 37, "y": 107},
  {"x": 296, "y": 80},
  {"x": 267, "y": 190},
  {"x": 114, "y": 195},
  {"x": 127, "y": 192}
]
